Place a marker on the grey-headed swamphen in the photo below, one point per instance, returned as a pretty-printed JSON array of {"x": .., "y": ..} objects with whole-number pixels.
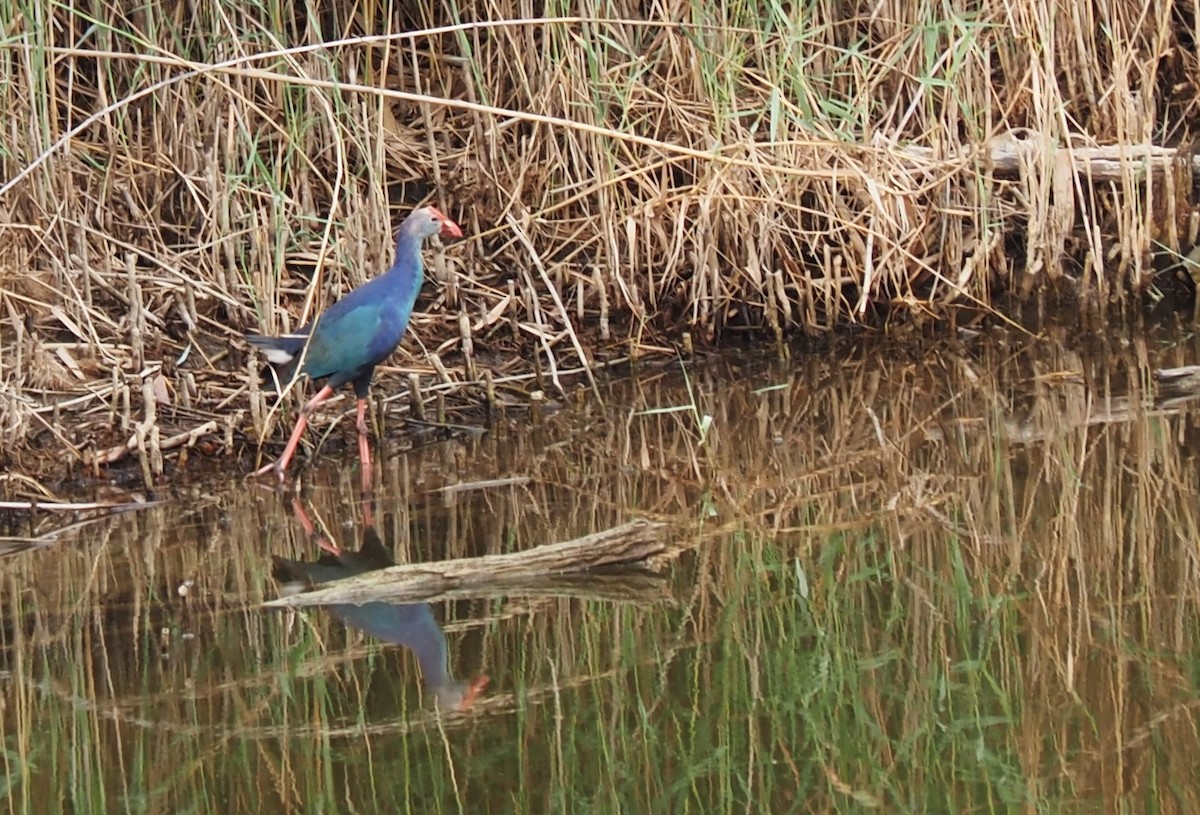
[{"x": 345, "y": 343}]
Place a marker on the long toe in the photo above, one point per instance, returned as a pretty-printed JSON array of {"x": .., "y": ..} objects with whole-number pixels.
[{"x": 273, "y": 467}]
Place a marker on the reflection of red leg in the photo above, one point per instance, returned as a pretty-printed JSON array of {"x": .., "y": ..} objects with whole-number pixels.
[
  {"x": 368, "y": 510},
  {"x": 364, "y": 448},
  {"x": 329, "y": 546},
  {"x": 279, "y": 467},
  {"x": 311, "y": 530},
  {"x": 302, "y": 517},
  {"x": 472, "y": 692}
]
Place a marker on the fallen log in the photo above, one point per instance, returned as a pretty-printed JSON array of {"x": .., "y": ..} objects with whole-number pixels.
[
  {"x": 638, "y": 543},
  {"x": 1105, "y": 163},
  {"x": 633, "y": 585},
  {"x": 1167, "y": 392}
]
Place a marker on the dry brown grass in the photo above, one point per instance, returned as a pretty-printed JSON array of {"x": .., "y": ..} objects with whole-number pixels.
[{"x": 633, "y": 175}]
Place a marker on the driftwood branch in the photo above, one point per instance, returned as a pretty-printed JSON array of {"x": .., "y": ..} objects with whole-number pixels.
[
  {"x": 188, "y": 437},
  {"x": 1109, "y": 163},
  {"x": 1170, "y": 389},
  {"x": 638, "y": 543},
  {"x": 70, "y": 506}
]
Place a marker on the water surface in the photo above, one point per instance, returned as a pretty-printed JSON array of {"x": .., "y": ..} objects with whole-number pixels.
[{"x": 954, "y": 577}]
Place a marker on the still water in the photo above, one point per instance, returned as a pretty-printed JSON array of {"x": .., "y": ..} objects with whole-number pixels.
[{"x": 940, "y": 578}]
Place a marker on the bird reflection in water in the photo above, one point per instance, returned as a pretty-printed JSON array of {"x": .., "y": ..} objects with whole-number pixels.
[{"x": 411, "y": 625}]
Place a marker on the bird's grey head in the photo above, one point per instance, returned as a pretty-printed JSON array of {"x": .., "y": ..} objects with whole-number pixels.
[{"x": 428, "y": 221}]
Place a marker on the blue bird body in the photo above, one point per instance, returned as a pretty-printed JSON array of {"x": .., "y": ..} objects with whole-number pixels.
[{"x": 345, "y": 343}]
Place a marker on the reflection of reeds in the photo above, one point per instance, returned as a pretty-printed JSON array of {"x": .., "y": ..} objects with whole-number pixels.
[
  {"x": 628, "y": 182},
  {"x": 874, "y": 610}
]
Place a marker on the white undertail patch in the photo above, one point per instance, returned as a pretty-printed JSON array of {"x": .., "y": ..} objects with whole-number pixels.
[{"x": 277, "y": 356}]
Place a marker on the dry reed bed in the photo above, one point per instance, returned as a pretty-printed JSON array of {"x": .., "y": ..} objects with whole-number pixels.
[
  {"x": 629, "y": 179},
  {"x": 1087, "y": 526}
]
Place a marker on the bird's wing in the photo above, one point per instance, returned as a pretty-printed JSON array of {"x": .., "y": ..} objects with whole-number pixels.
[
  {"x": 391, "y": 320},
  {"x": 341, "y": 341},
  {"x": 349, "y": 340}
]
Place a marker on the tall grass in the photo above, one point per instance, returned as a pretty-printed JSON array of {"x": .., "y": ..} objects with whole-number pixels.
[{"x": 684, "y": 166}]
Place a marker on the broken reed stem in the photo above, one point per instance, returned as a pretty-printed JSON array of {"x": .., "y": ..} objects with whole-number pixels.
[
  {"x": 126, "y": 408},
  {"x": 489, "y": 382},
  {"x": 514, "y": 311},
  {"x": 17, "y": 360},
  {"x": 416, "y": 399},
  {"x": 188, "y": 391},
  {"x": 114, "y": 398},
  {"x": 468, "y": 346},
  {"x": 440, "y": 368},
  {"x": 150, "y": 395},
  {"x": 232, "y": 422},
  {"x": 141, "y": 434},
  {"x": 136, "y": 319},
  {"x": 602, "y": 293},
  {"x": 379, "y": 415},
  {"x": 257, "y": 399}
]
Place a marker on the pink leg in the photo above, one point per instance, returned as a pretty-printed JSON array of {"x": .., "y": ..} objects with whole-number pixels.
[
  {"x": 279, "y": 466},
  {"x": 364, "y": 448}
]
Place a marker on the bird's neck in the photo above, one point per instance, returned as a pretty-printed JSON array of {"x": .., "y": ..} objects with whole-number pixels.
[
  {"x": 428, "y": 644},
  {"x": 408, "y": 255},
  {"x": 408, "y": 271}
]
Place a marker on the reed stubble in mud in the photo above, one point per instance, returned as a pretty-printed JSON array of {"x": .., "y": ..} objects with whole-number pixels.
[{"x": 780, "y": 168}]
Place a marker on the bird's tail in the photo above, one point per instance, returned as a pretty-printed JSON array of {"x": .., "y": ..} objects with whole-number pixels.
[
  {"x": 290, "y": 576},
  {"x": 283, "y": 357}
]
